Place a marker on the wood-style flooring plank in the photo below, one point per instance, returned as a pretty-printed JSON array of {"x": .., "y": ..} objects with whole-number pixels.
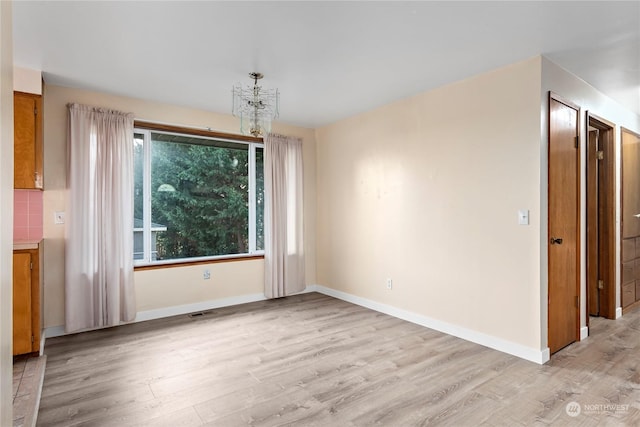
[{"x": 312, "y": 360}]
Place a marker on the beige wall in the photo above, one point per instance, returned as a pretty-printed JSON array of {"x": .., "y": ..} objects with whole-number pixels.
[
  {"x": 27, "y": 80},
  {"x": 6, "y": 213},
  {"x": 574, "y": 89},
  {"x": 166, "y": 288},
  {"x": 426, "y": 192}
]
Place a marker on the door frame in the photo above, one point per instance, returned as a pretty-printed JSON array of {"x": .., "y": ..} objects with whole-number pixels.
[
  {"x": 606, "y": 261},
  {"x": 553, "y": 96}
]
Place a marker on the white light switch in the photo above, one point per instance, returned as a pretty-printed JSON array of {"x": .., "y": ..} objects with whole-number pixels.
[
  {"x": 58, "y": 217},
  {"x": 523, "y": 217}
]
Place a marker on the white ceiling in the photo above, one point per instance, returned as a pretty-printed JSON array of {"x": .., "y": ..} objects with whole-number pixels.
[{"x": 330, "y": 60}]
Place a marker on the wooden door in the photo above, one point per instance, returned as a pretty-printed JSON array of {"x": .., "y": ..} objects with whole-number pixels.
[
  {"x": 563, "y": 239},
  {"x": 22, "y": 319},
  {"x": 630, "y": 254}
]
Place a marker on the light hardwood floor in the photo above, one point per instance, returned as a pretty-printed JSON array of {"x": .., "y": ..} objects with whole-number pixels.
[
  {"x": 312, "y": 360},
  {"x": 28, "y": 374}
]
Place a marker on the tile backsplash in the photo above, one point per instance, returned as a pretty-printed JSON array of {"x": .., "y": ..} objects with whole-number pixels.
[{"x": 27, "y": 214}]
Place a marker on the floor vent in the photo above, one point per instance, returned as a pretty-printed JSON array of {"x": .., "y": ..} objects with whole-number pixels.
[{"x": 199, "y": 314}]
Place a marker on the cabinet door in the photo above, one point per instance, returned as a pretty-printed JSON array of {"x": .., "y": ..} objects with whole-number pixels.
[
  {"x": 27, "y": 141},
  {"x": 22, "y": 321}
]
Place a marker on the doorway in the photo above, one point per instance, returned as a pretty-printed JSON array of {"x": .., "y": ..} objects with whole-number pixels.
[
  {"x": 601, "y": 290},
  {"x": 630, "y": 224},
  {"x": 563, "y": 224}
]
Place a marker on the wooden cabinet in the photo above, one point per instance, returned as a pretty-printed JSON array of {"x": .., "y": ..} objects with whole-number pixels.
[
  {"x": 630, "y": 279},
  {"x": 26, "y": 300},
  {"x": 27, "y": 125}
]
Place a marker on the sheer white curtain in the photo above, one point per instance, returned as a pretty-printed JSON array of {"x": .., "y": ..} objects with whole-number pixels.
[
  {"x": 283, "y": 218},
  {"x": 99, "y": 221}
]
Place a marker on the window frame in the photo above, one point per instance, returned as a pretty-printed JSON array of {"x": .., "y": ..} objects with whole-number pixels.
[{"x": 252, "y": 143}]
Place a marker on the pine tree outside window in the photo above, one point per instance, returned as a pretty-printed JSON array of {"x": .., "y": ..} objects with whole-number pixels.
[{"x": 196, "y": 197}]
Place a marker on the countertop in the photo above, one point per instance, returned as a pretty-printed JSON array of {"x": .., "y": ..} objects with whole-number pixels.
[{"x": 25, "y": 244}]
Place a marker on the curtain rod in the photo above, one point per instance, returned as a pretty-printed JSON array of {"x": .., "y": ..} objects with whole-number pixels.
[{"x": 207, "y": 128}]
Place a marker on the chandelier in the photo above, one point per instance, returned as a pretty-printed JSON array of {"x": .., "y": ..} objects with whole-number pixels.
[{"x": 256, "y": 107}]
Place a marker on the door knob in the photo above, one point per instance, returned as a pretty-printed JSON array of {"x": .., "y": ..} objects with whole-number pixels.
[{"x": 556, "y": 241}]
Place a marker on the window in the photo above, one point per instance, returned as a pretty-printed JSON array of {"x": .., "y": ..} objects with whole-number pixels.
[{"x": 196, "y": 197}]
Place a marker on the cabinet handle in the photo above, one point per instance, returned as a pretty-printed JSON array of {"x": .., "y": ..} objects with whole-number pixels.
[{"x": 637, "y": 215}]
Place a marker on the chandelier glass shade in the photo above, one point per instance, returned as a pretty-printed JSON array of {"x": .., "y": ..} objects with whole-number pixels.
[{"x": 255, "y": 106}]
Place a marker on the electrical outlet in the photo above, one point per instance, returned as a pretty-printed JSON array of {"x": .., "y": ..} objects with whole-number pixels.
[
  {"x": 389, "y": 284},
  {"x": 58, "y": 217},
  {"x": 206, "y": 275}
]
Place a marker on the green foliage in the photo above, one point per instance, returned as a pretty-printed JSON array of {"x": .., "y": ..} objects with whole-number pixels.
[
  {"x": 138, "y": 171},
  {"x": 260, "y": 199},
  {"x": 207, "y": 214},
  {"x": 200, "y": 193}
]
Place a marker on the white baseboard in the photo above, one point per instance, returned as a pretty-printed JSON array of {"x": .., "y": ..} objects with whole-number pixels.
[
  {"x": 584, "y": 333},
  {"x": 527, "y": 353},
  {"x": 141, "y": 316},
  {"x": 43, "y": 338},
  {"x": 618, "y": 312},
  {"x": 546, "y": 355},
  {"x": 53, "y": 331},
  {"x": 196, "y": 307}
]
